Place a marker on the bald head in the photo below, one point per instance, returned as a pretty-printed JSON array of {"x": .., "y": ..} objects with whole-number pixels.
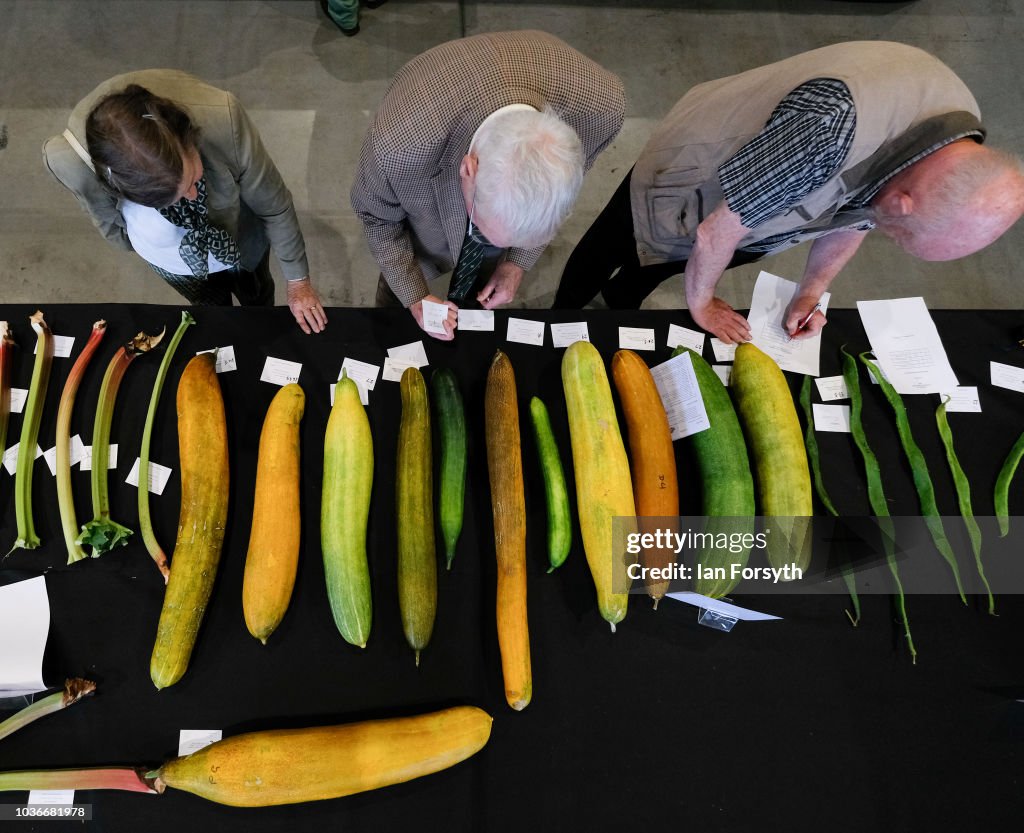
[{"x": 953, "y": 203}]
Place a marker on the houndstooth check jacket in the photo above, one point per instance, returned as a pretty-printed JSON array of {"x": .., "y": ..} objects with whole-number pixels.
[{"x": 407, "y": 190}]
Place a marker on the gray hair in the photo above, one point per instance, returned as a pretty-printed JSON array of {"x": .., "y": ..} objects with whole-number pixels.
[{"x": 530, "y": 169}]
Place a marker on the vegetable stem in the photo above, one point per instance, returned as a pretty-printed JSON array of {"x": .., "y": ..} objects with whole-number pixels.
[
  {"x": 74, "y": 690},
  {"x": 95, "y": 778},
  {"x": 65, "y": 497},
  {"x": 27, "y": 538},
  {"x": 145, "y": 521},
  {"x": 102, "y": 533}
]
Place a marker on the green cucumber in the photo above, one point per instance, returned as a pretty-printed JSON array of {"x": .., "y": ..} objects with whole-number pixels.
[
  {"x": 451, "y": 421},
  {"x": 555, "y": 491}
]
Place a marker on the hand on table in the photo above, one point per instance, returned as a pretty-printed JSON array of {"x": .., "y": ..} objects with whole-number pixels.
[
  {"x": 722, "y": 321},
  {"x": 306, "y": 307},
  {"x": 450, "y": 323}
]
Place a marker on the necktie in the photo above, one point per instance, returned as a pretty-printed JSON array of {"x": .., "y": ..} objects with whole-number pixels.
[
  {"x": 200, "y": 237},
  {"x": 467, "y": 269}
]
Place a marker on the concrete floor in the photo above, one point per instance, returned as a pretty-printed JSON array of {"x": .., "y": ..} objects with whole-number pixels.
[{"x": 312, "y": 92}]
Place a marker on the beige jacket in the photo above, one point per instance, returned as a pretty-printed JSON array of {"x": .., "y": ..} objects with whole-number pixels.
[
  {"x": 245, "y": 193},
  {"x": 407, "y": 190}
]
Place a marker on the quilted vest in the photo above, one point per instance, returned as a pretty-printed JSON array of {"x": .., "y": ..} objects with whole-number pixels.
[{"x": 906, "y": 101}]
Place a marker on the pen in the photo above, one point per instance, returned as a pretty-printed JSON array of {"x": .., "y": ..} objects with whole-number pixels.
[{"x": 810, "y": 315}]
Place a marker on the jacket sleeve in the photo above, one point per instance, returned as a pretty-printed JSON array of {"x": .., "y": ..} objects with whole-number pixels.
[
  {"x": 70, "y": 171},
  {"x": 386, "y": 227},
  {"x": 263, "y": 190}
]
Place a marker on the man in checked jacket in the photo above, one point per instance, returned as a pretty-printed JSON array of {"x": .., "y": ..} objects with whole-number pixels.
[
  {"x": 474, "y": 160},
  {"x": 823, "y": 147}
]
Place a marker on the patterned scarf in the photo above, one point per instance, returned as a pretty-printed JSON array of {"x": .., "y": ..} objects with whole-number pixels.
[{"x": 200, "y": 237}]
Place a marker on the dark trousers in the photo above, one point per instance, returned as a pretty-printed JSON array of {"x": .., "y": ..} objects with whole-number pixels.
[
  {"x": 255, "y": 288},
  {"x": 605, "y": 261}
]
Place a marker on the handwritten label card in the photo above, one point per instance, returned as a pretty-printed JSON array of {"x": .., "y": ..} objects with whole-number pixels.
[
  {"x": 562, "y": 335},
  {"x": 18, "y": 397},
  {"x": 964, "y": 400},
  {"x": 723, "y": 352},
  {"x": 62, "y": 346},
  {"x": 192, "y": 740},
  {"x": 394, "y": 368},
  {"x": 434, "y": 317},
  {"x": 685, "y": 337},
  {"x": 525, "y": 331},
  {"x": 280, "y": 371},
  {"x": 832, "y": 388},
  {"x": 636, "y": 338},
  {"x": 832, "y": 418},
  {"x": 479, "y": 320},
  {"x": 86, "y": 460},
  {"x": 11, "y": 457},
  {"x": 1007, "y": 376},
  {"x": 363, "y": 374},
  {"x": 724, "y": 372},
  {"x": 158, "y": 476},
  {"x": 225, "y": 358},
  {"x": 413, "y": 353}
]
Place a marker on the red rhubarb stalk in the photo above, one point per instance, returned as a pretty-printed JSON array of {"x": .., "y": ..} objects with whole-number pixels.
[
  {"x": 65, "y": 498},
  {"x": 98, "y": 778},
  {"x": 102, "y": 533}
]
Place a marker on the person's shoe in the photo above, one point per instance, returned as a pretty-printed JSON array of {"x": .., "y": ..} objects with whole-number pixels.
[{"x": 348, "y": 33}]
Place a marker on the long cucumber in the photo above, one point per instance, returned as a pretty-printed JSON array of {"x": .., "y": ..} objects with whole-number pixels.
[
  {"x": 451, "y": 421},
  {"x": 556, "y": 493}
]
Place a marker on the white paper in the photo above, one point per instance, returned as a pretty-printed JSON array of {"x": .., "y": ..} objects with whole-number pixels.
[
  {"x": 51, "y": 797},
  {"x": 158, "y": 476},
  {"x": 77, "y": 450},
  {"x": 24, "y": 624},
  {"x": 434, "y": 317},
  {"x": 413, "y": 353},
  {"x": 18, "y": 399},
  {"x": 724, "y": 372},
  {"x": 831, "y": 418},
  {"x": 723, "y": 352},
  {"x": 363, "y": 374},
  {"x": 225, "y": 360},
  {"x": 11, "y": 457},
  {"x": 685, "y": 337},
  {"x": 525, "y": 331},
  {"x": 1007, "y": 376},
  {"x": 562, "y": 335},
  {"x": 86, "y": 460},
  {"x": 718, "y": 606},
  {"x": 680, "y": 394},
  {"x": 907, "y": 345},
  {"x": 480, "y": 320},
  {"x": 832, "y": 388},
  {"x": 394, "y": 368},
  {"x": 280, "y": 371},
  {"x": 62, "y": 346},
  {"x": 963, "y": 400},
  {"x": 636, "y": 338},
  {"x": 772, "y": 295},
  {"x": 50, "y": 455},
  {"x": 192, "y": 740}
]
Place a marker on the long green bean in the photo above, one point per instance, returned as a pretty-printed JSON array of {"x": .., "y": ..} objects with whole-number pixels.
[
  {"x": 814, "y": 458},
  {"x": 1002, "y": 495},
  {"x": 919, "y": 470},
  {"x": 963, "y": 496},
  {"x": 876, "y": 492}
]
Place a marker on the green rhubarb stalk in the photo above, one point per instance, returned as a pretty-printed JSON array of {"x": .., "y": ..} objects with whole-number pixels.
[
  {"x": 65, "y": 497},
  {"x": 1002, "y": 492},
  {"x": 102, "y": 533},
  {"x": 74, "y": 690},
  {"x": 963, "y": 496},
  {"x": 876, "y": 492},
  {"x": 919, "y": 470},
  {"x": 27, "y": 538},
  {"x": 145, "y": 521},
  {"x": 7, "y": 346},
  {"x": 814, "y": 457},
  {"x": 96, "y": 778}
]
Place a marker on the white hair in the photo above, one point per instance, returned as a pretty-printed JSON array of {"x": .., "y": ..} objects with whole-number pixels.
[{"x": 530, "y": 169}]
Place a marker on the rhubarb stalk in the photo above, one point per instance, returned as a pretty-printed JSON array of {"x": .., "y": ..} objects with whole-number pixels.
[
  {"x": 65, "y": 497},
  {"x": 102, "y": 533},
  {"x": 7, "y": 346},
  {"x": 27, "y": 538},
  {"x": 74, "y": 690},
  {"x": 97, "y": 778},
  {"x": 145, "y": 522}
]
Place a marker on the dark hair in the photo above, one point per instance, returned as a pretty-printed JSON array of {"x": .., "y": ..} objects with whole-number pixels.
[{"x": 136, "y": 141}]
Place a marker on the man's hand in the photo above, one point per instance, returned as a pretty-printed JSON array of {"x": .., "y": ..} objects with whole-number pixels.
[
  {"x": 306, "y": 307},
  {"x": 502, "y": 286},
  {"x": 450, "y": 322},
  {"x": 722, "y": 321},
  {"x": 798, "y": 310}
]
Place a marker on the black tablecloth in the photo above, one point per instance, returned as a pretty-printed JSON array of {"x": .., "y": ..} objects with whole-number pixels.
[{"x": 800, "y": 724}]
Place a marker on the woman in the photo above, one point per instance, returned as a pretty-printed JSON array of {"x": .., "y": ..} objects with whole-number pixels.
[{"x": 176, "y": 172}]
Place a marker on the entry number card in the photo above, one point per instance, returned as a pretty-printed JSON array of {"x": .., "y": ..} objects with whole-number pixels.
[
  {"x": 11, "y": 458},
  {"x": 363, "y": 374},
  {"x": 685, "y": 337},
  {"x": 225, "y": 361},
  {"x": 480, "y": 320},
  {"x": 1007, "y": 376},
  {"x": 562, "y": 335},
  {"x": 192, "y": 740},
  {"x": 280, "y": 371},
  {"x": 62, "y": 346},
  {"x": 832, "y": 418},
  {"x": 87, "y": 457},
  {"x": 636, "y": 338},
  {"x": 964, "y": 400},
  {"x": 158, "y": 476},
  {"x": 413, "y": 353},
  {"x": 723, "y": 352},
  {"x": 434, "y": 317},
  {"x": 832, "y": 388},
  {"x": 18, "y": 397},
  {"x": 524, "y": 331}
]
